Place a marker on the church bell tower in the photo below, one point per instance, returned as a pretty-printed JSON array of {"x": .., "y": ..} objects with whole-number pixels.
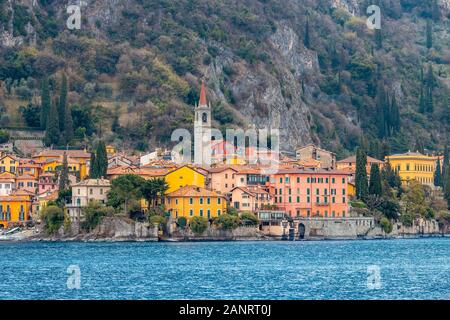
[{"x": 202, "y": 130}]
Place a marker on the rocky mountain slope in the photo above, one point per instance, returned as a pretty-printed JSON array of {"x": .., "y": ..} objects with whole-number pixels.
[{"x": 311, "y": 68}]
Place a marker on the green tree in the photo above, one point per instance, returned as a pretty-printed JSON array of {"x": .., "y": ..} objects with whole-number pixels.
[
  {"x": 64, "y": 174},
  {"x": 52, "y": 132},
  {"x": 93, "y": 170},
  {"x": 429, "y": 33},
  {"x": 93, "y": 213},
  {"x": 378, "y": 39},
  {"x": 4, "y": 136},
  {"x": 124, "y": 190},
  {"x": 101, "y": 159},
  {"x": 437, "y": 174},
  {"x": 45, "y": 103},
  {"x": 198, "y": 225},
  {"x": 53, "y": 218},
  {"x": 227, "y": 222},
  {"x": 62, "y": 104},
  {"x": 68, "y": 126},
  {"x": 386, "y": 225},
  {"x": 447, "y": 187},
  {"x": 445, "y": 165},
  {"x": 361, "y": 174},
  {"x": 375, "y": 181},
  {"x": 307, "y": 39},
  {"x": 248, "y": 218},
  {"x": 154, "y": 190}
]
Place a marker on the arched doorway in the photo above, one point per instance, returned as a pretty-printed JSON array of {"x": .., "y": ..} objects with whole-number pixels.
[{"x": 301, "y": 231}]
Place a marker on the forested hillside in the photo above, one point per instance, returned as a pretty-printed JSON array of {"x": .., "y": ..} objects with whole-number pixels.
[{"x": 311, "y": 68}]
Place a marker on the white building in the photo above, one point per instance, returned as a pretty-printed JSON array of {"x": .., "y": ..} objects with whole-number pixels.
[{"x": 85, "y": 191}]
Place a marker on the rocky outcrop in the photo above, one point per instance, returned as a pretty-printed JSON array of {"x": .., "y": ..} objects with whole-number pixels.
[
  {"x": 215, "y": 234},
  {"x": 123, "y": 229}
]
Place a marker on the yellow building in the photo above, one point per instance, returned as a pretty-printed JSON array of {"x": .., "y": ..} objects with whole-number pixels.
[
  {"x": 351, "y": 189},
  {"x": 9, "y": 163},
  {"x": 192, "y": 201},
  {"x": 413, "y": 166},
  {"x": 184, "y": 176},
  {"x": 110, "y": 150},
  {"x": 77, "y": 159},
  {"x": 15, "y": 208}
]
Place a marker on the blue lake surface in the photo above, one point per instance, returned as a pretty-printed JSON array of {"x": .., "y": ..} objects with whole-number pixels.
[{"x": 408, "y": 269}]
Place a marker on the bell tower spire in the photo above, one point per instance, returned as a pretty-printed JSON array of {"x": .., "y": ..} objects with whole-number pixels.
[{"x": 202, "y": 129}]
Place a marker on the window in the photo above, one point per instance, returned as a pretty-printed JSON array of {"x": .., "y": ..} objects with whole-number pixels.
[
  {"x": 290, "y": 199},
  {"x": 281, "y": 180},
  {"x": 191, "y": 212},
  {"x": 343, "y": 192},
  {"x": 191, "y": 201},
  {"x": 101, "y": 191},
  {"x": 298, "y": 199},
  {"x": 219, "y": 212},
  {"x": 298, "y": 213},
  {"x": 298, "y": 179},
  {"x": 201, "y": 200},
  {"x": 218, "y": 200},
  {"x": 91, "y": 191},
  {"x": 208, "y": 200},
  {"x": 308, "y": 199},
  {"x": 308, "y": 213},
  {"x": 308, "y": 180},
  {"x": 209, "y": 213},
  {"x": 201, "y": 212},
  {"x": 343, "y": 180},
  {"x": 343, "y": 199},
  {"x": 308, "y": 191}
]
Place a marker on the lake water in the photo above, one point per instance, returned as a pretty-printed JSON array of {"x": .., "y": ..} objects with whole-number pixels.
[{"x": 378, "y": 269}]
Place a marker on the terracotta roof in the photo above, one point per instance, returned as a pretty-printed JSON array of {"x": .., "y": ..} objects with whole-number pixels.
[
  {"x": 411, "y": 154},
  {"x": 93, "y": 183},
  {"x": 311, "y": 171},
  {"x": 122, "y": 170},
  {"x": 352, "y": 159},
  {"x": 26, "y": 177},
  {"x": 58, "y": 153},
  {"x": 10, "y": 156},
  {"x": 219, "y": 169},
  {"x": 251, "y": 191},
  {"x": 193, "y": 191},
  {"x": 7, "y": 175},
  {"x": 203, "y": 101}
]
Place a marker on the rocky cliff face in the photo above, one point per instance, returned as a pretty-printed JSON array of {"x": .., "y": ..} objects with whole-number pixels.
[{"x": 253, "y": 57}]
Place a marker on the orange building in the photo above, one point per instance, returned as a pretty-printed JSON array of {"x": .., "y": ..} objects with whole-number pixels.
[
  {"x": 310, "y": 192},
  {"x": 15, "y": 208}
]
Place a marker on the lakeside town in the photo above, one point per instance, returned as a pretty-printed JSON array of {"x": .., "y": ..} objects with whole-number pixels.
[{"x": 70, "y": 192}]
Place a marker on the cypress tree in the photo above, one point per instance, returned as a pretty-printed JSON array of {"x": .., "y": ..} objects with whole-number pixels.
[
  {"x": 447, "y": 187},
  {"x": 378, "y": 38},
  {"x": 52, "y": 129},
  {"x": 437, "y": 174},
  {"x": 445, "y": 166},
  {"x": 422, "y": 105},
  {"x": 435, "y": 11},
  {"x": 430, "y": 83},
  {"x": 93, "y": 171},
  {"x": 395, "y": 115},
  {"x": 45, "y": 103},
  {"x": 62, "y": 103},
  {"x": 102, "y": 160},
  {"x": 68, "y": 126},
  {"x": 375, "y": 180},
  {"x": 429, "y": 33},
  {"x": 64, "y": 174},
  {"x": 361, "y": 174},
  {"x": 307, "y": 40}
]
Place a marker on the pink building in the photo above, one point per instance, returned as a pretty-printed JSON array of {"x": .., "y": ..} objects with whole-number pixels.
[
  {"x": 47, "y": 182},
  {"x": 221, "y": 179},
  {"x": 250, "y": 199},
  {"x": 310, "y": 192},
  {"x": 27, "y": 182}
]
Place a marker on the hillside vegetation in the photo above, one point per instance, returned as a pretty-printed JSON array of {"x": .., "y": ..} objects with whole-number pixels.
[{"x": 311, "y": 68}]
